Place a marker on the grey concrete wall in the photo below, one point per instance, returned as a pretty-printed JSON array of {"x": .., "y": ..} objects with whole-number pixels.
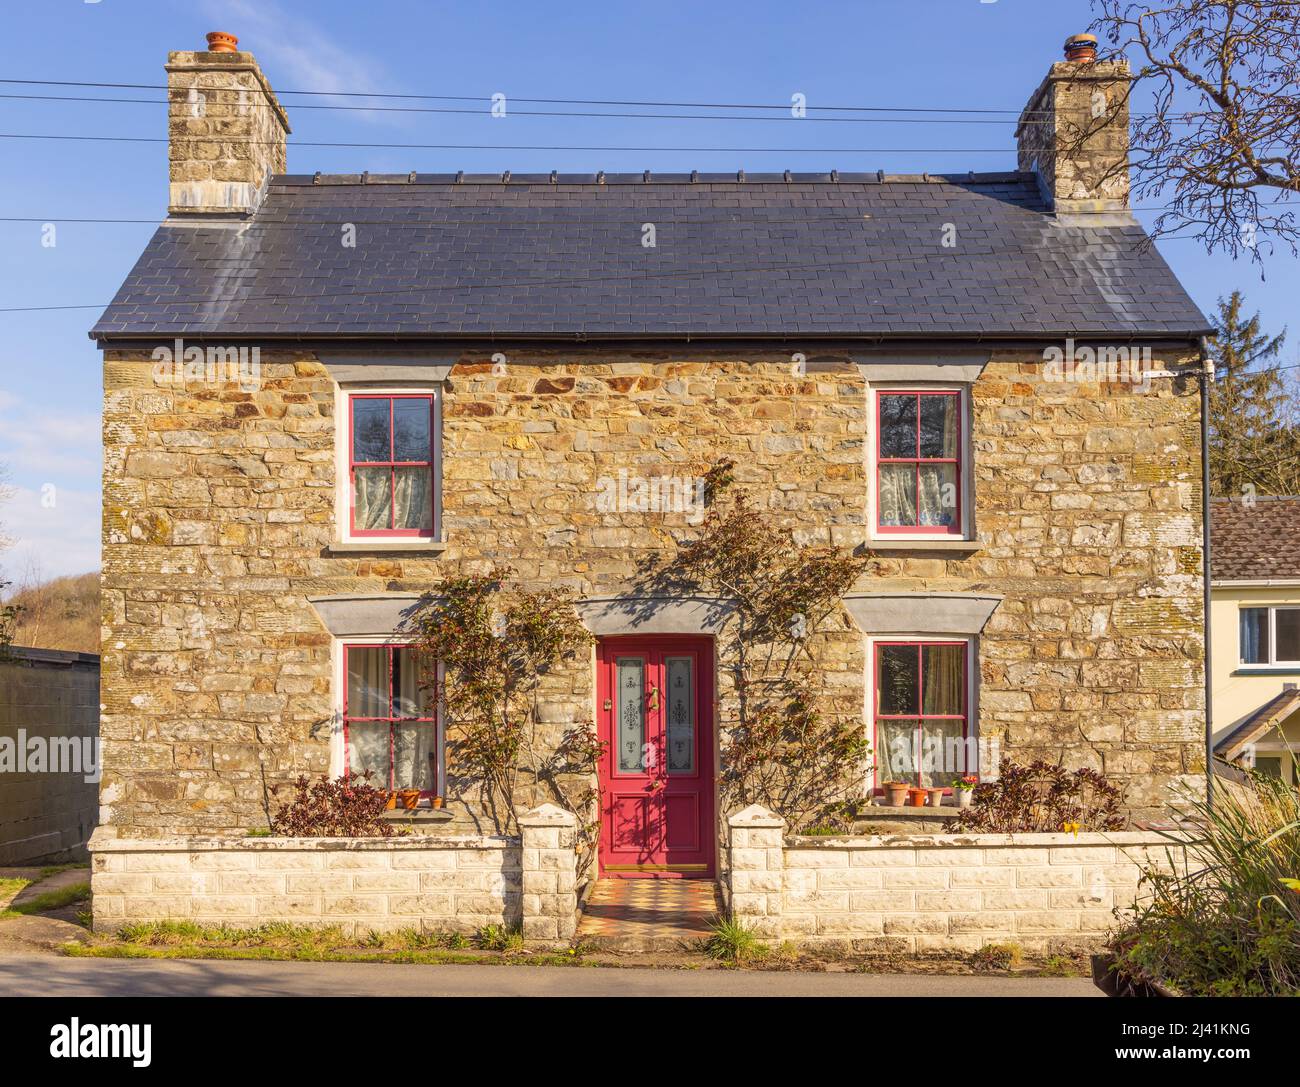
[{"x": 46, "y": 695}]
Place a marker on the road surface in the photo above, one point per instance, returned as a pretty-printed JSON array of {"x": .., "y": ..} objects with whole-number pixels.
[{"x": 46, "y": 975}]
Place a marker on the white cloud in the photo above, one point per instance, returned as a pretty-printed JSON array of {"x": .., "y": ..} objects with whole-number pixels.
[
  {"x": 300, "y": 55},
  {"x": 53, "y": 533},
  {"x": 38, "y": 445}
]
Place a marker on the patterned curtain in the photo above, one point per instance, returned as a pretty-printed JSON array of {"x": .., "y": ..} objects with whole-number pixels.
[
  {"x": 412, "y": 499},
  {"x": 372, "y": 498}
]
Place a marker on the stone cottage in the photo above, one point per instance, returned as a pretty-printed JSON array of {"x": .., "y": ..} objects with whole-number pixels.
[{"x": 325, "y": 393}]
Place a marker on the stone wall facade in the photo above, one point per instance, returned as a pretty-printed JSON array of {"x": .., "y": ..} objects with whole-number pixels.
[
  {"x": 219, "y": 525},
  {"x": 361, "y": 885},
  {"x": 912, "y": 893},
  {"x": 50, "y": 697}
]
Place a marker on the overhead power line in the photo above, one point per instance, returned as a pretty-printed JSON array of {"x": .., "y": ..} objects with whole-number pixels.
[
  {"x": 547, "y": 113},
  {"x": 522, "y": 146},
  {"x": 648, "y": 104}
]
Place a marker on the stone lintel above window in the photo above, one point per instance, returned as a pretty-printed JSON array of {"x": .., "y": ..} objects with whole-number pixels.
[
  {"x": 921, "y": 612},
  {"x": 384, "y": 366},
  {"x": 353, "y": 615},
  {"x": 957, "y": 368}
]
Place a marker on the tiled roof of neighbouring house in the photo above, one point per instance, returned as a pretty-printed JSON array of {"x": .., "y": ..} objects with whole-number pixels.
[
  {"x": 1255, "y": 542},
  {"x": 857, "y": 255}
]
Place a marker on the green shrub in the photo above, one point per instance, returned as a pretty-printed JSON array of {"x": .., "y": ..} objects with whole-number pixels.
[
  {"x": 732, "y": 941},
  {"x": 1225, "y": 921}
]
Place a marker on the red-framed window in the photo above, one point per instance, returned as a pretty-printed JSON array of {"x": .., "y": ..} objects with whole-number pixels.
[
  {"x": 391, "y": 464},
  {"x": 921, "y": 726},
  {"x": 918, "y": 462},
  {"x": 389, "y": 720}
]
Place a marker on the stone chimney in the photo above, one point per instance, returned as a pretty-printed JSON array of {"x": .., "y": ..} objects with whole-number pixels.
[
  {"x": 1074, "y": 133},
  {"x": 226, "y": 130}
]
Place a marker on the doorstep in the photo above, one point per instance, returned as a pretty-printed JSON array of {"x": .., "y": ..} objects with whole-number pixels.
[{"x": 657, "y": 915}]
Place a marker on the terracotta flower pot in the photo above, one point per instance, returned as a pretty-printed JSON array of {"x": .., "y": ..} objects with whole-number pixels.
[
  {"x": 896, "y": 794},
  {"x": 916, "y": 797},
  {"x": 390, "y": 802},
  {"x": 437, "y": 802},
  {"x": 936, "y": 798},
  {"x": 410, "y": 798},
  {"x": 221, "y": 42}
]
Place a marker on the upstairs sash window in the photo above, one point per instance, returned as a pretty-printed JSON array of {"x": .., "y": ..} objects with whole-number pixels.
[
  {"x": 918, "y": 462},
  {"x": 391, "y": 464}
]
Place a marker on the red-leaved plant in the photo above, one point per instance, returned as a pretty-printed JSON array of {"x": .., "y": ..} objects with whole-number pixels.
[
  {"x": 1043, "y": 798},
  {"x": 345, "y": 807}
]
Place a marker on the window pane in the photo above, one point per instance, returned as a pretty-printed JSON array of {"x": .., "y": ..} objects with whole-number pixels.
[
  {"x": 897, "y": 494},
  {"x": 897, "y": 678},
  {"x": 367, "y": 693},
  {"x": 1287, "y": 630},
  {"x": 412, "y": 498},
  {"x": 410, "y": 699},
  {"x": 898, "y": 425},
  {"x": 370, "y": 429},
  {"x": 372, "y": 498},
  {"x": 630, "y": 706},
  {"x": 939, "y": 426},
  {"x": 368, "y": 750},
  {"x": 1254, "y": 635},
  {"x": 895, "y": 752},
  {"x": 1269, "y": 766},
  {"x": 680, "y": 723},
  {"x": 943, "y": 755},
  {"x": 411, "y": 429},
  {"x": 938, "y": 494},
  {"x": 942, "y": 668},
  {"x": 413, "y": 757}
]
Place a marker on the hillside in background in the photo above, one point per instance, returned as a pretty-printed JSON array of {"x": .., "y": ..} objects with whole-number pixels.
[{"x": 62, "y": 613}]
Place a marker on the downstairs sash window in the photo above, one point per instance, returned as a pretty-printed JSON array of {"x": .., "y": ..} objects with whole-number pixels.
[
  {"x": 921, "y": 733},
  {"x": 389, "y": 723}
]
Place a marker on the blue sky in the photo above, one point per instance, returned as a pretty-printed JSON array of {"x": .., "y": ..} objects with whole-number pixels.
[{"x": 938, "y": 53}]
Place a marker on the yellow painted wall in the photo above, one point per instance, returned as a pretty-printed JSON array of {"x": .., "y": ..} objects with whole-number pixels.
[{"x": 1236, "y": 694}]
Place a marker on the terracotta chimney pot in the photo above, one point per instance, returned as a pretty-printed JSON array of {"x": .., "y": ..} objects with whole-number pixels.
[
  {"x": 1081, "y": 48},
  {"x": 221, "y": 42}
]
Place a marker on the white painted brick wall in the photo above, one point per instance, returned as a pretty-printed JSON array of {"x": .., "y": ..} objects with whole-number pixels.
[{"x": 929, "y": 892}]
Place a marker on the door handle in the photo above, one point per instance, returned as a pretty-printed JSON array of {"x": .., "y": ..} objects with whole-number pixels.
[{"x": 654, "y": 697}]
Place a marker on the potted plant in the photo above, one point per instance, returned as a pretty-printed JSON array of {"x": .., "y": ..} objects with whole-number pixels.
[
  {"x": 916, "y": 797},
  {"x": 963, "y": 789},
  {"x": 896, "y": 793},
  {"x": 390, "y": 800},
  {"x": 410, "y": 798},
  {"x": 437, "y": 802},
  {"x": 936, "y": 796}
]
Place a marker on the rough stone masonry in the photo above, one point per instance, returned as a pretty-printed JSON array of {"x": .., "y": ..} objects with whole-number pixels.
[{"x": 219, "y": 519}]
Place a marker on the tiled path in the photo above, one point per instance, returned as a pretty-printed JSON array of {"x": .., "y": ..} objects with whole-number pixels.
[{"x": 649, "y": 914}]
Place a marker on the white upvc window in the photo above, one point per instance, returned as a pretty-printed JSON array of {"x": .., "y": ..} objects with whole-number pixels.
[{"x": 1269, "y": 636}]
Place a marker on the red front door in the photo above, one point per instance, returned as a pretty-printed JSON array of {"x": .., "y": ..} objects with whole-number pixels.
[{"x": 655, "y": 712}]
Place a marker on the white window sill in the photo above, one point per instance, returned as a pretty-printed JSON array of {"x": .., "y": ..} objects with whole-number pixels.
[
  {"x": 923, "y": 543},
  {"x": 351, "y": 547}
]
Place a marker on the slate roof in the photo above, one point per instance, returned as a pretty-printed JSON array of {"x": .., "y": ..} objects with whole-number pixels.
[
  {"x": 771, "y": 255},
  {"x": 1254, "y": 543}
]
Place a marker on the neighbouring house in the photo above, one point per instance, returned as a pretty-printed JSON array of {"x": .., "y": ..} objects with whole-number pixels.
[
  {"x": 325, "y": 393},
  {"x": 49, "y": 755},
  {"x": 1255, "y": 620}
]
